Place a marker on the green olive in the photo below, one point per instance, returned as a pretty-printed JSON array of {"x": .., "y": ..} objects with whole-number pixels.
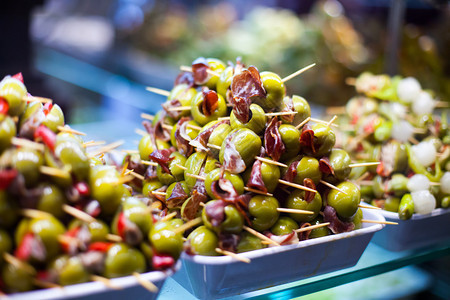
[
  {"x": 74, "y": 156},
  {"x": 357, "y": 219},
  {"x": 13, "y": 91},
  {"x": 214, "y": 175},
  {"x": 28, "y": 162},
  {"x": 218, "y": 67},
  {"x": 301, "y": 106},
  {"x": 291, "y": 140},
  {"x": 170, "y": 190},
  {"x": 137, "y": 212},
  {"x": 217, "y": 136},
  {"x": 378, "y": 187},
  {"x": 256, "y": 123},
  {"x": 284, "y": 225},
  {"x": 5, "y": 244},
  {"x": 97, "y": 229},
  {"x": 275, "y": 91},
  {"x": 165, "y": 118},
  {"x": 54, "y": 118},
  {"x": 150, "y": 186},
  {"x": 396, "y": 151},
  {"x": 270, "y": 175},
  {"x": 296, "y": 200},
  {"x": 224, "y": 82},
  {"x": 445, "y": 202},
  {"x": 263, "y": 210},
  {"x": 193, "y": 166},
  {"x": 31, "y": 109},
  {"x": 249, "y": 242},
  {"x": 233, "y": 222},
  {"x": 177, "y": 172},
  {"x": 184, "y": 94},
  {"x": 398, "y": 185},
  {"x": 308, "y": 167},
  {"x": 68, "y": 137},
  {"x": 406, "y": 207},
  {"x": 192, "y": 133},
  {"x": 345, "y": 205},
  {"x": 383, "y": 131},
  {"x": 246, "y": 142},
  {"x": 70, "y": 270},
  {"x": 165, "y": 240},
  {"x": 203, "y": 241},
  {"x": 324, "y": 139},
  {"x": 17, "y": 278},
  {"x": 318, "y": 232},
  {"x": 121, "y": 260},
  {"x": 52, "y": 200},
  {"x": 146, "y": 146},
  {"x": 8, "y": 210},
  {"x": 340, "y": 161},
  {"x": 106, "y": 189},
  {"x": 392, "y": 204},
  {"x": 7, "y": 131},
  {"x": 199, "y": 115}
]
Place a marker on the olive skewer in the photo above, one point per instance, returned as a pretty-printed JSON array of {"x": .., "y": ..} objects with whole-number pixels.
[
  {"x": 233, "y": 255},
  {"x": 311, "y": 227},
  {"x": 70, "y": 130},
  {"x": 157, "y": 91},
  {"x": 289, "y": 77}
]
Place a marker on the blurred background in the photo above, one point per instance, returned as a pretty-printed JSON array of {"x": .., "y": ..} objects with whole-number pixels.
[{"x": 95, "y": 59}]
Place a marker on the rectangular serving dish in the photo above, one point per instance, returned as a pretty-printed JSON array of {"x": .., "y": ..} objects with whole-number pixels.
[
  {"x": 209, "y": 277},
  {"x": 419, "y": 231},
  {"x": 129, "y": 289}
]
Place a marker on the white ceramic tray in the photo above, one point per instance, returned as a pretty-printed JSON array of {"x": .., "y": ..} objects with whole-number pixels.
[
  {"x": 130, "y": 289},
  {"x": 209, "y": 277},
  {"x": 419, "y": 231}
]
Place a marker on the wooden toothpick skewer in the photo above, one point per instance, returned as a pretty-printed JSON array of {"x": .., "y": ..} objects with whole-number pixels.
[
  {"x": 442, "y": 104},
  {"x": 148, "y": 285},
  {"x": 70, "y": 130},
  {"x": 269, "y": 161},
  {"x": 114, "y": 238},
  {"x": 260, "y": 235},
  {"x": 350, "y": 81},
  {"x": 45, "y": 284},
  {"x": 379, "y": 222},
  {"x": 332, "y": 120},
  {"x": 105, "y": 281},
  {"x": 147, "y": 116},
  {"x": 297, "y": 186},
  {"x": 106, "y": 148},
  {"x": 125, "y": 179},
  {"x": 30, "y": 98},
  {"x": 365, "y": 182},
  {"x": 168, "y": 217},
  {"x": 136, "y": 175},
  {"x": 181, "y": 167},
  {"x": 213, "y": 146},
  {"x": 130, "y": 151},
  {"x": 435, "y": 183},
  {"x": 308, "y": 228},
  {"x": 93, "y": 143},
  {"x": 196, "y": 176},
  {"x": 54, "y": 172},
  {"x": 35, "y": 214},
  {"x": 158, "y": 91},
  {"x": 159, "y": 193},
  {"x": 189, "y": 69},
  {"x": 140, "y": 131},
  {"x": 332, "y": 186},
  {"x": 248, "y": 189},
  {"x": 322, "y": 121},
  {"x": 289, "y": 77},
  {"x": 233, "y": 255},
  {"x": 179, "y": 108},
  {"x": 366, "y": 164},
  {"x": 188, "y": 225},
  {"x": 282, "y": 113},
  {"x": 27, "y": 144},
  {"x": 167, "y": 126},
  {"x": 149, "y": 163},
  {"x": 18, "y": 263},
  {"x": 364, "y": 176},
  {"x": 79, "y": 214},
  {"x": 195, "y": 127},
  {"x": 223, "y": 118},
  {"x": 368, "y": 206},
  {"x": 303, "y": 123},
  {"x": 295, "y": 211}
]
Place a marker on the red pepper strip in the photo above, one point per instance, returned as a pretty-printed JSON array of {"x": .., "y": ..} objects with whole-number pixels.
[
  {"x": 121, "y": 224},
  {"x": 6, "y": 177},
  {"x": 18, "y": 76},
  {"x": 100, "y": 246},
  {"x": 46, "y": 135},
  {"x": 43, "y": 275},
  {"x": 23, "y": 252},
  {"x": 162, "y": 261},
  {"x": 70, "y": 233},
  {"x": 4, "y": 106},
  {"x": 47, "y": 107}
]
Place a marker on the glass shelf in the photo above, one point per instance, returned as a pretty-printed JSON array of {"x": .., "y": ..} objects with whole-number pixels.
[{"x": 375, "y": 260}]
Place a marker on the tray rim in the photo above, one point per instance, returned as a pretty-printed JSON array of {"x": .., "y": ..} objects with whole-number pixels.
[
  {"x": 368, "y": 228},
  {"x": 394, "y": 216}
]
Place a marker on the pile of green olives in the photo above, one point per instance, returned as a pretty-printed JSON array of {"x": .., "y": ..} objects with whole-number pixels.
[
  {"x": 394, "y": 121},
  {"x": 219, "y": 164},
  {"x": 67, "y": 216}
]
